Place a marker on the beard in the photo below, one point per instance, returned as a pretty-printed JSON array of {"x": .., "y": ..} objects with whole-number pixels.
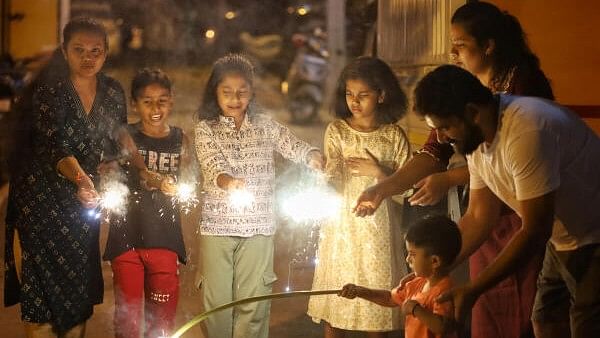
[{"x": 473, "y": 137}]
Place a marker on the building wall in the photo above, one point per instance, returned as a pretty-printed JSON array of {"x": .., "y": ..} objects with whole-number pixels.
[
  {"x": 565, "y": 35},
  {"x": 39, "y": 26},
  {"x": 413, "y": 37}
]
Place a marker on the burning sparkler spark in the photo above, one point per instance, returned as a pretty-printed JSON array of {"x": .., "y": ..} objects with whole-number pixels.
[
  {"x": 241, "y": 198},
  {"x": 313, "y": 204},
  {"x": 94, "y": 213},
  {"x": 185, "y": 196},
  {"x": 113, "y": 197}
]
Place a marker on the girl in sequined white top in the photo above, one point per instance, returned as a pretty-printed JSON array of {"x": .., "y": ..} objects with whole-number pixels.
[{"x": 362, "y": 146}]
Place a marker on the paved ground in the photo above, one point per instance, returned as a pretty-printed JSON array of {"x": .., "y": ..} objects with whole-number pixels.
[{"x": 288, "y": 317}]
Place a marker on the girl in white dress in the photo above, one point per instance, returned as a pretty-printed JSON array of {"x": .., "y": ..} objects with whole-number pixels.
[{"x": 362, "y": 146}]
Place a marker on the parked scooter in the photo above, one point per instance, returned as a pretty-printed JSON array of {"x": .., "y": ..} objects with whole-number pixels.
[{"x": 305, "y": 82}]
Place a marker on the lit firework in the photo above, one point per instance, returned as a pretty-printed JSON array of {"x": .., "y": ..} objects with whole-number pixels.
[
  {"x": 185, "y": 196},
  {"x": 113, "y": 197},
  {"x": 241, "y": 198},
  {"x": 313, "y": 204}
]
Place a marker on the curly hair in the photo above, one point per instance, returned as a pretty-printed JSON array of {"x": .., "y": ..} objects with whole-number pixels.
[
  {"x": 438, "y": 235},
  {"x": 446, "y": 90},
  {"x": 146, "y": 77},
  {"x": 379, "y": 77},
  {"x": 229, "y": 64}
]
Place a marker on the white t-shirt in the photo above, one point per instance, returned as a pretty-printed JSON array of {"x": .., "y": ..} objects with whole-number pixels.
[{"x": 540, "y": 147}]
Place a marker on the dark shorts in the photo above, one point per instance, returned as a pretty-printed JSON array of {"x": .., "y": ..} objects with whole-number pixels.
[{"x": 569, "y": 290}]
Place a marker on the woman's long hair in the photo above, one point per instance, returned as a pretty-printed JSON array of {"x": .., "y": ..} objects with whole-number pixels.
[{"x": 485, "y": 22}]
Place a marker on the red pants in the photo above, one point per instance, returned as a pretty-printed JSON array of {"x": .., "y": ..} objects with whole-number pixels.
[{"x": 145, "y": 277}]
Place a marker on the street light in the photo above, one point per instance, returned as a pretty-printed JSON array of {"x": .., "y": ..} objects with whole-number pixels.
[
  {"x": 230, "y": 15},
  {"x": 210, "y": 34},
  {"x": 302, "y": 10}
]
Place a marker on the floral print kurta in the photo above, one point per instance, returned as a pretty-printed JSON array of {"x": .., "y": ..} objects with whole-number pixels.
[
  {"x": 245, "y": 153},
  {"x": 364, "y": 251},
  {"x": 61, "y": 273}
]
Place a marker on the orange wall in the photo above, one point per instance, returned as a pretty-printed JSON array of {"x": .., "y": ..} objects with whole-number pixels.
[
  {"x": 38, "y": 31},
  {"x": 565, "y": 35}
]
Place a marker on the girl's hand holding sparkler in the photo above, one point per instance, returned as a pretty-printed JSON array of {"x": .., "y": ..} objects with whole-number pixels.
[
  {"x": 230, "y": 183},
  {"x": 239, "y": 197},
  {"x": 315, "y": 160}
]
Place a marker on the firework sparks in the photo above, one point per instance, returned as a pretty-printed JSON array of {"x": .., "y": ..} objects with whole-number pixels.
[
  {"x": 313, "y": 204},
  {"x": 113, "y": 197},
  {"x": 185, "y": 196},
  {"x": 241, "y": 198},
  {"x": 94, "y": 213}
]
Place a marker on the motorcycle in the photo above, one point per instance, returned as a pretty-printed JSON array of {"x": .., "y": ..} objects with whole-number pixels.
[{"x": 305, "y": 81}]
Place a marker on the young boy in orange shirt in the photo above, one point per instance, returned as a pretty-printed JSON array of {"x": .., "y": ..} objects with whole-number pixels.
[{"x": 432, "y": 244}]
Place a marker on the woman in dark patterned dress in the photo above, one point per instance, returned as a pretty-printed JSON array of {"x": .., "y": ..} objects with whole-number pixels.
[
  {"x": 491, "y": 45},
  {"x": 74, "y": 114}
]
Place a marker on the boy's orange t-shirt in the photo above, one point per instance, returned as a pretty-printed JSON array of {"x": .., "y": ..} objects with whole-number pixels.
[{"x": 413, "y": 327}]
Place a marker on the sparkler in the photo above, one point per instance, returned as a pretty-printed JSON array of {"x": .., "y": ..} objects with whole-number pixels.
[
  {"x": 310, "y": 199},
  {"x": 313, "y": 204},
  {"x": 201, "y": 317},
  {"x": 113, "y": 197},
  {"x": 93, "y": 213},
  {"x": 185, "y": 196},
  {"x": 241, "y": 198}
]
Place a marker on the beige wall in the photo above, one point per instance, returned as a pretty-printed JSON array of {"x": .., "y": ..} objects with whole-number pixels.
[{"x": 565, "y": 35}]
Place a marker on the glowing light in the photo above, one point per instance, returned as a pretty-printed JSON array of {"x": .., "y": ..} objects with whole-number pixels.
[
  {"x": 113, "y": 197},
  {"x": 302, "y": 10},
  {"x": 94, "y": 213},
  {"x": 210, "y": 34},
  {"x": 284, "y": 87},
  {"x": 316, "y": 261},
  {"x": 230, "y": 15},
  {"x": 185, "y": 196},
  {"x": 313, "y": 204},
  {"x": 241, "y": 198},
  {"x": 287, "y": 289}
]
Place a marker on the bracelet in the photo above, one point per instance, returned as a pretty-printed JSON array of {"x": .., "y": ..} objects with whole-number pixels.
[{"x": 412, "y": 312}]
